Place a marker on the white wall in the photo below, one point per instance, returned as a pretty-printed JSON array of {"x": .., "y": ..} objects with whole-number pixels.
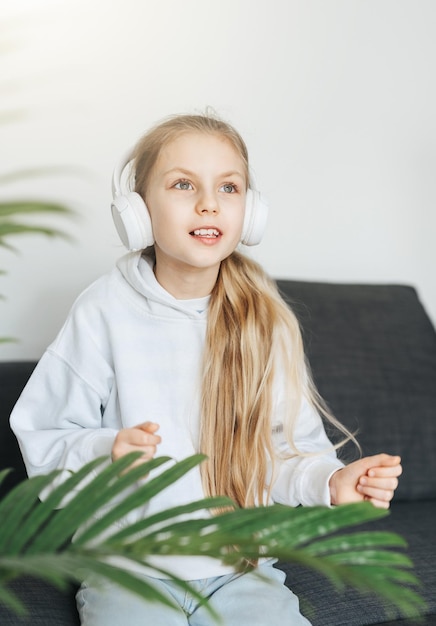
[{"x": 335, "y": 98}]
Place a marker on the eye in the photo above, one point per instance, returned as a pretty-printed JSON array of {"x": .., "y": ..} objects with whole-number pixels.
[
  {"x": 184, "y": 185},
  {"x": 228, "y": 188}
]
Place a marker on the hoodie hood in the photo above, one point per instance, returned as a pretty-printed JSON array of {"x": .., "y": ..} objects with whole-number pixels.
[{"x": 137, "y": 269}]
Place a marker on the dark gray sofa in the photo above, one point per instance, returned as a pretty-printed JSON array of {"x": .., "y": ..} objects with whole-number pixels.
[{"x": 372, "y": 349}]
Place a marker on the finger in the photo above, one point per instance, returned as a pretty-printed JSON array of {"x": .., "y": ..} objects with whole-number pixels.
[
  {"x": 135, "y": 440},
  {"x": 384, "y": 460},
  {"x": 123, "y": 448},
  {"x": 384, "y": 495},
  {"x": 390, "y": 482},
  {"x": 370, "y": 463},
  {"x": 379, "y": 504},
  {"x": 379, "y": 460},
  {"x": 143, "y": 438},
  {"x": 149, "y": 427},
  {"x": 146, "y": 456},
  {"x": 394, "y": 470},
  {"x": 148, "y": 451}
]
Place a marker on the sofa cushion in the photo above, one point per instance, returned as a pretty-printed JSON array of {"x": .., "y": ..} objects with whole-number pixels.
[
  {"x": 372, "y": 349},
  {"x": 13, "y": 377},
  {"x": 325, "y": 606},
  {"x": 45, "y": 605}
]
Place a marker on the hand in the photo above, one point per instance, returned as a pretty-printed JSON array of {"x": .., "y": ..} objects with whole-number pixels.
[
  {"x": 372, "y": 478},
  {"x": 139, "y": 438}
]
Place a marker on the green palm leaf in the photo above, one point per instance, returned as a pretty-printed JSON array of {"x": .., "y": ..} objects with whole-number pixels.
[
  {"x": 87, "y": 502},
  {"x": 38, "y": 539},
  {"x": 10, "y": 208},
  {"x": 15, "y": 207},
  {"x": 10, "y": 227},
  {"x": 13, "y": 228},
  {"x": 11, "y": 116}
]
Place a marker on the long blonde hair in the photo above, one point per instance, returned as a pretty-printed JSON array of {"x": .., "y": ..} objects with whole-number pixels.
[{"x": 250, "y": 332}]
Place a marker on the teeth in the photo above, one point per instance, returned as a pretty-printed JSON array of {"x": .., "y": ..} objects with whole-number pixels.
[{"x": 206, "y": 232}]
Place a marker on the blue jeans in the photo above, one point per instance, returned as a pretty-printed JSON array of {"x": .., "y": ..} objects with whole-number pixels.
[{"x": 239, "y": 599}]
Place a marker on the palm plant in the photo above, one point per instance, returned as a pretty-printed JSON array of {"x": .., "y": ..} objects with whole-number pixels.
[
  {"x": 10, "y": 225},
  {"x": 72, "y": 543},
  {"x": 11, "y": 210}
]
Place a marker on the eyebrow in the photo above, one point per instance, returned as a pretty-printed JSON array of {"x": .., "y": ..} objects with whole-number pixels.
[{"x": 182, "y": 170}]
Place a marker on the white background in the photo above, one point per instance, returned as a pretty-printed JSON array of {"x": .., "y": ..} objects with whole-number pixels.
[{"x": 336, "y": 100}]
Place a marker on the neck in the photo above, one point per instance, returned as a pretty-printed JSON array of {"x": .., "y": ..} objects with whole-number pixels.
[{"x": 185, "y": 283}]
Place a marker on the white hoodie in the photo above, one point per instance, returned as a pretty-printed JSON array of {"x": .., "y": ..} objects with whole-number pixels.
[{"x": 129, "y": 352}]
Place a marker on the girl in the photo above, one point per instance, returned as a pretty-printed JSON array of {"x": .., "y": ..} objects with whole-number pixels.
[{"x": 187, "y": 346}]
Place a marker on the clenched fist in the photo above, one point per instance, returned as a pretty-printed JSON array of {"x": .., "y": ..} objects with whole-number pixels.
[
  {"x": 372, "y": 478},
  {"x": 140, "y": 438}
]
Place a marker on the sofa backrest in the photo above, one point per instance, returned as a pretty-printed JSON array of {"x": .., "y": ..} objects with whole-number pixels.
[
  {"x": 372, "y": 350},
  {"x": 13, "y": 377}
]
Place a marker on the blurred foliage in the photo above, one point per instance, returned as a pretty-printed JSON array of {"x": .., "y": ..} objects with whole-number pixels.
[{"x": 78, "y": 541}]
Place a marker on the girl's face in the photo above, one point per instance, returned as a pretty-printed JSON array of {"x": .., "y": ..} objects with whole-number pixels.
[{"x": 196, "y": 199}]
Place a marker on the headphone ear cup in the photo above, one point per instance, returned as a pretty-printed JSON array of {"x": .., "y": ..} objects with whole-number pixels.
[
  {"x": 256, "y": 214},
  {"x": 132, "y": 221}
]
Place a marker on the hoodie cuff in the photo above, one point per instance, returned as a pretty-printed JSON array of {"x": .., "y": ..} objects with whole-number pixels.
[{"x": 314, "y": 483}]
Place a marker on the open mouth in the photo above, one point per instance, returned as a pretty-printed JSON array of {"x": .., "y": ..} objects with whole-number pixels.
[{"x": 210, "y": 233}]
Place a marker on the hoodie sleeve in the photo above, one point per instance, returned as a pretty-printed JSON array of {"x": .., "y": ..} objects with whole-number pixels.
[
  {"x": 304, "y": 479},
  {"x": 59, "y": 419}
]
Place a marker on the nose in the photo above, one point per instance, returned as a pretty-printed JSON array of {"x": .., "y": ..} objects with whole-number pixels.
[{"x": 207, "y": 203}]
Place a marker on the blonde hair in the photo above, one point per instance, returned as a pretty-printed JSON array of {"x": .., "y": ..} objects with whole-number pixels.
[
  {"x": 148, "y": 148},
  {"x": 251, "y": 332}
]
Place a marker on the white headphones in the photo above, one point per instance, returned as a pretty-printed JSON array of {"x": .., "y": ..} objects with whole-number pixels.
[{"x": 133, "y": 223}]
